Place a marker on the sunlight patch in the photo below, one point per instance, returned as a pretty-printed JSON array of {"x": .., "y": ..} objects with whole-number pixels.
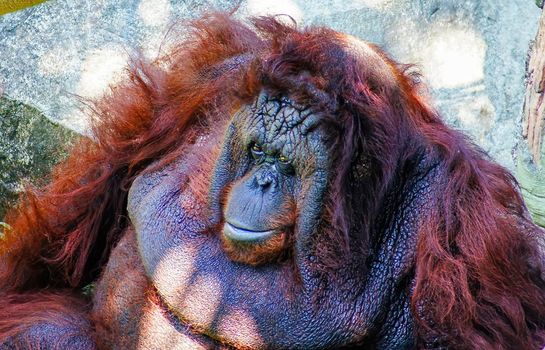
[
  {"x": 280, "y": 7},
  {"x": 57, "y": 61},
  {"x": 240, "y": 327},
  {"x": 102, "y": 68},
  {"x": 154, "y": 13},
  {"x": 454, "y": 56}
]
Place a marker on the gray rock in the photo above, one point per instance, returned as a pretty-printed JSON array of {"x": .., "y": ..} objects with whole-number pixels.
[
  {"x": 55, "y": 52},
  {"x": 472, "y": 52},
  {"x": 30, "y": 145}
]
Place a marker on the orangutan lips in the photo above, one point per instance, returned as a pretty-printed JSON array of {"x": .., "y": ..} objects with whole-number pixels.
[{"x": 243, "y": 235}]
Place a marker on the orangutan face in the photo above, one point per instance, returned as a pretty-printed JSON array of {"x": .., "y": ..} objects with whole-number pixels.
[{"x": 277, "y": 142}]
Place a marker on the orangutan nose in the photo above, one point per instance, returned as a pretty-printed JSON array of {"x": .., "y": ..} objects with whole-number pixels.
[{"x": 266, "y": 180}]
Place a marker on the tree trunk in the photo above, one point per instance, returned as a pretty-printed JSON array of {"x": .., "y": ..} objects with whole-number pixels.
[
  {"x": 531, "y": 169},
  {"x": 534, "y": 106}
]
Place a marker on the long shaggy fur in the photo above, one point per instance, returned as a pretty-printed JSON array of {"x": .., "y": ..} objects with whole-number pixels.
[{"x": 473, "y": 287}]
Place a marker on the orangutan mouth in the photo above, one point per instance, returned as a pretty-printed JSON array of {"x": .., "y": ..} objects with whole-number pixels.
[{"x": 244, "y": 235}]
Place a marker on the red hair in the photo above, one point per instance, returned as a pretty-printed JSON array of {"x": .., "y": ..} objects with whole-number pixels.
[{"x": 473, "y": 286}]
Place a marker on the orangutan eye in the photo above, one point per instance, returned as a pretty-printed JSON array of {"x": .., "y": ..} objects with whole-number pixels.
[
  {"x": 284, "y": 165},
  {"x": 283, "y": 159},
  {"x": 257, "y": 151}
]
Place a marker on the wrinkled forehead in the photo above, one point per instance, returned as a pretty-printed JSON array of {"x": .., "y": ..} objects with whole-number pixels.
[{"x": 279, "y": 124}]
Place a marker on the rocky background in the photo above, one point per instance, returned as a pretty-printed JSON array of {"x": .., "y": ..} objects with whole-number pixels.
[
  {"x": 472, "y": 54},
  {"x": 29, "y": 144}
]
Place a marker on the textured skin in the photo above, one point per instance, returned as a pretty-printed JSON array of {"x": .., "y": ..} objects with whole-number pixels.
[
  {"x": 127, "y": 316},
  {"x": 71, "y": 333},
  {"x": 262, "y": 307},
  {"x": 280, "y": 127}
]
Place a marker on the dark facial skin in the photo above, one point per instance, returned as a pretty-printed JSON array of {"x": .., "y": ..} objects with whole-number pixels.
[
  {"x": 259, "y": 211},
  {"x": 210, "y": 281},
  {"x": 258, "y": 197}
]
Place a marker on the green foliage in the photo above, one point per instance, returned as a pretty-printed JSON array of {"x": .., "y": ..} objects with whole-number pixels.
[
  {"x": 30, "y": 145},
  {"x": 16, "y": 5}
]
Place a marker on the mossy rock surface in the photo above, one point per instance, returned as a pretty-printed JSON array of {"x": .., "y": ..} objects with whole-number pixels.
[
  {"x": 30, "y": 145},
  {"x": 531, "y": 178}
]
